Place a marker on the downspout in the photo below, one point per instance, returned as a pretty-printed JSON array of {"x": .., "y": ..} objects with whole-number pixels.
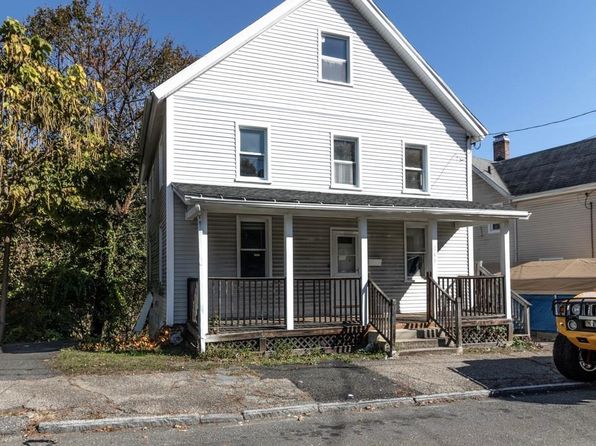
[{"x": 591, "y": 209}]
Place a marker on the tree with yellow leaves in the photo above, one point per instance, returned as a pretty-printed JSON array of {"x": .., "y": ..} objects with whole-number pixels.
[{"x": 49, "y": 129}]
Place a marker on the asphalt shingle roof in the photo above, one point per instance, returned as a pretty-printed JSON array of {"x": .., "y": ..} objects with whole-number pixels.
[
  {"x": 293, "y": 196},
  {"x": 564, "y": 166}
]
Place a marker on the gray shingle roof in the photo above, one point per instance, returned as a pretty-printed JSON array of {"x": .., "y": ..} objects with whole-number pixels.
[
  {"x": 293, "y": 196},
  {"x": 564, "y": 166}
]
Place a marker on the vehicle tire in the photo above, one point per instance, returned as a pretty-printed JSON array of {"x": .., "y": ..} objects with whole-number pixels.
[{"x": 568, "y": 357}]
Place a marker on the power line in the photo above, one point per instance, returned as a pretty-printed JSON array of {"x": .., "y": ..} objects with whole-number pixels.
[{"x": 545, "y": 124}]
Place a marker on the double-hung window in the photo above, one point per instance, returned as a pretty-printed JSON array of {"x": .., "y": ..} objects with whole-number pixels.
[
  {"x": 416, "y": 168},
  {"x": 253, "y": 247},
  {"x": 335, "y": 58},
  {"x": 415, "y": 251},
  {"x": 253, "y": 153},
  {"x": 346, "y": 171}
]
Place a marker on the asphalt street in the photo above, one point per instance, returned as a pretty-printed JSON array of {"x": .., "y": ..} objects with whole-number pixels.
[{"x": 557, "y": 418}]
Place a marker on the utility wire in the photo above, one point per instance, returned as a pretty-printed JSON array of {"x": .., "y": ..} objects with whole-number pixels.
[{"x": 545, "y": 124}]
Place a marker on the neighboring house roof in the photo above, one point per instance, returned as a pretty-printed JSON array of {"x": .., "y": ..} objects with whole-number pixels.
[
  {"x": 370, "y": 11},
  {"x": 557, "y": 168},
  {"x": 192, "y": 193}
]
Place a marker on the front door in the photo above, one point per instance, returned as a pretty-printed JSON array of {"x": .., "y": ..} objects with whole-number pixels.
[{"x": 345, "y": 253}]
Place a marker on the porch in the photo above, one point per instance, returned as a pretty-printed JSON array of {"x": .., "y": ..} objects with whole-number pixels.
[{"x": 266, "y": 270}]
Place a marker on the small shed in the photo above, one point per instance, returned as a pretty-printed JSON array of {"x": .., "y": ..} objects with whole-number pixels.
[{"x": 540, "y": 282}]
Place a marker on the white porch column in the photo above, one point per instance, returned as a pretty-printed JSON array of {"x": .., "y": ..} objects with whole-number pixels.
[
  {"x": 363, "y": 235},
  {"x": 433, "y": 244},
  {"x": 203, "y": 317},
  {"x": 289, "y": 269},
  {"x": 506, "y": 266}
]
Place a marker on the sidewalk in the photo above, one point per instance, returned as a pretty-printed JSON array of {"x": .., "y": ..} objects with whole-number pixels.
[{"x": 43, "y": 397}]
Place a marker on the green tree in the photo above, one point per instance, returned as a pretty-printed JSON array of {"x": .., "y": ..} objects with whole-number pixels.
[
  {"x": 107, "y": 232},
  {"x": 49, "y": 130}
]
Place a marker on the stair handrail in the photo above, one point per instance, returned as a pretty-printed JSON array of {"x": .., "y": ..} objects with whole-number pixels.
[
  {"x": 452, "y": 310},
  {"x": 382, "y": 313}
]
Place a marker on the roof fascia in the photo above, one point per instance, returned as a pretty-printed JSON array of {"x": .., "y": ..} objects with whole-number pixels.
[
  {"x": 423, "y": 70},
  {"x": 225, "y": 49}
]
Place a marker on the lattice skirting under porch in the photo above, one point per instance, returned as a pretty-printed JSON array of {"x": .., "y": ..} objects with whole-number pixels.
[
  {"x": 345, "y": 341},
  {"x": 489, "y": 334}
]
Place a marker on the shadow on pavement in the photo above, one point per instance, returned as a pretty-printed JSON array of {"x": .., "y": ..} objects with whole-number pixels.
[
  {"x": 511, "y": 372},
  {"x": 36, "y": 347},
  {"x": 336, "y": 381}
]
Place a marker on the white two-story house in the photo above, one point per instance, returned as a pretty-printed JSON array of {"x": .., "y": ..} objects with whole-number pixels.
[{"x": 312, "y": 172}]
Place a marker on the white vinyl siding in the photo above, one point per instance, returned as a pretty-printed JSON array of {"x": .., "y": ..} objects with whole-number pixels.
[
  {"x": 273, "y": 79},
  {"x": 559, "y": 227}
]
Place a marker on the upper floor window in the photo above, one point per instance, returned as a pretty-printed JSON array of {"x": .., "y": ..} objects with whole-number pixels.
[
  {"x": 335, "y": 58},
  {"x": 253, "y": 151},
  {"x": 346, "y": 171},
  {"x": 416, "y": 168}
]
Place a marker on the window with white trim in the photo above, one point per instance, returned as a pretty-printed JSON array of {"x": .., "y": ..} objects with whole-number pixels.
[
  {"x": 254, "y": 247},
  {"x": 346, "y": 171},
  {"x": 494, "y": 228},
  {"x": 416, "y": 168},
  {"x": 416, "y": 251},
  {"x": 253, "y": 152},
  {"x": 335, "y": 58}
]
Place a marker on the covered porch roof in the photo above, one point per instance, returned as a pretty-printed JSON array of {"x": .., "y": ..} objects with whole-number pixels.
[{"x": 247, "y": 199}]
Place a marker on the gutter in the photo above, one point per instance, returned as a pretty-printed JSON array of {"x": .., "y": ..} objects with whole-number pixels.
[
  {"x": 556, "y": 192},
  {"x": 504, "y": 214}
]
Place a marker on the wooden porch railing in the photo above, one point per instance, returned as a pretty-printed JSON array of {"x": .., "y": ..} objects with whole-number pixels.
[
  {"x": 444, "y": 310},
  {"x": 480, "y": 296},
  {"x": 241, "y": 302},
  {"x": 327, "y": 300},
  {"x": 520, "y": 308},
  {"x": 382, "y": 311}
]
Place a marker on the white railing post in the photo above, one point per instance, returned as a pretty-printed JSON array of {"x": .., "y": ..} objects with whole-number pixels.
[
  {"x": 433, "y": 243},
  {"x": 289, "y": 269},
  {"x": 363, "y": 236},
  {"x": 203, "y": 285},
  {"x": 506, "y": 267}
]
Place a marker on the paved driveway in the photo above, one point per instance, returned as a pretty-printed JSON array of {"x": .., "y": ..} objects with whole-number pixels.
[{"x": 28, "y": 361}]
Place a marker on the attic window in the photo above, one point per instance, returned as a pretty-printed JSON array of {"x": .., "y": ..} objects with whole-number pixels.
[{"x": 335, "y": 59}]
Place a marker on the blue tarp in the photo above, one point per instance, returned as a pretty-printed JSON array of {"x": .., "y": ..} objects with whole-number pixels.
[{"x": 541, "y": 313}]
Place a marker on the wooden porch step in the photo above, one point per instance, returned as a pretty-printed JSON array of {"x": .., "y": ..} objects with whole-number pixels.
[{"x": 417, "y": 344}]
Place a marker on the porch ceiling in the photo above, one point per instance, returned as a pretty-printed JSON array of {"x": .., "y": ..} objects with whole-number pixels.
[{"x": 281, "y": 200}]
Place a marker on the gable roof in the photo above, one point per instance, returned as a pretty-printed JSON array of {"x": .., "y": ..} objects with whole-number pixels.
[
  {"x": 370, "y": 11},
  {"x": 557, "y": 168}
]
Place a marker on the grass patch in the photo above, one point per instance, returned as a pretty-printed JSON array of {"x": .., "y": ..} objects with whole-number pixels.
[{"x": 76, "y": 362}]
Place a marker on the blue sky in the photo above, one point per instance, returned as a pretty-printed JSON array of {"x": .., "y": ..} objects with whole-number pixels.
[{"x": 513, "y": 63}]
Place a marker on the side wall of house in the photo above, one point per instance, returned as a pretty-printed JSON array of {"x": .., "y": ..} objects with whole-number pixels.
[
  {"x": 274, "y": 80},
  {"x": 157, "y": 238},
  {"x": 559, "y": 227},
  {"x": 487, "y": 245}
]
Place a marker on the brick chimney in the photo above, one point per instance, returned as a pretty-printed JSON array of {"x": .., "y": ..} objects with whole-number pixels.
[{"x": 501, "y": 147}]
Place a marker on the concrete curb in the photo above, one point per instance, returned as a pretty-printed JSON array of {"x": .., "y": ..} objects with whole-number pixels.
[{"x": 57, "y": 427}]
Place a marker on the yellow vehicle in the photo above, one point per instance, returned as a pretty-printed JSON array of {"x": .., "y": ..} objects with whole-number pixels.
[{"x": 574, "y": 351}]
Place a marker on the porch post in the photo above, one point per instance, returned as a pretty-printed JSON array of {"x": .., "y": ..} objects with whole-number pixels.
[
  {"x": 363, "y": 235},
  {"x": 506, "y": 267},
  {"x": 203, "y": 288},
  {"x": 433, "y": 243},
  {"x": 289, "y": 269}
]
